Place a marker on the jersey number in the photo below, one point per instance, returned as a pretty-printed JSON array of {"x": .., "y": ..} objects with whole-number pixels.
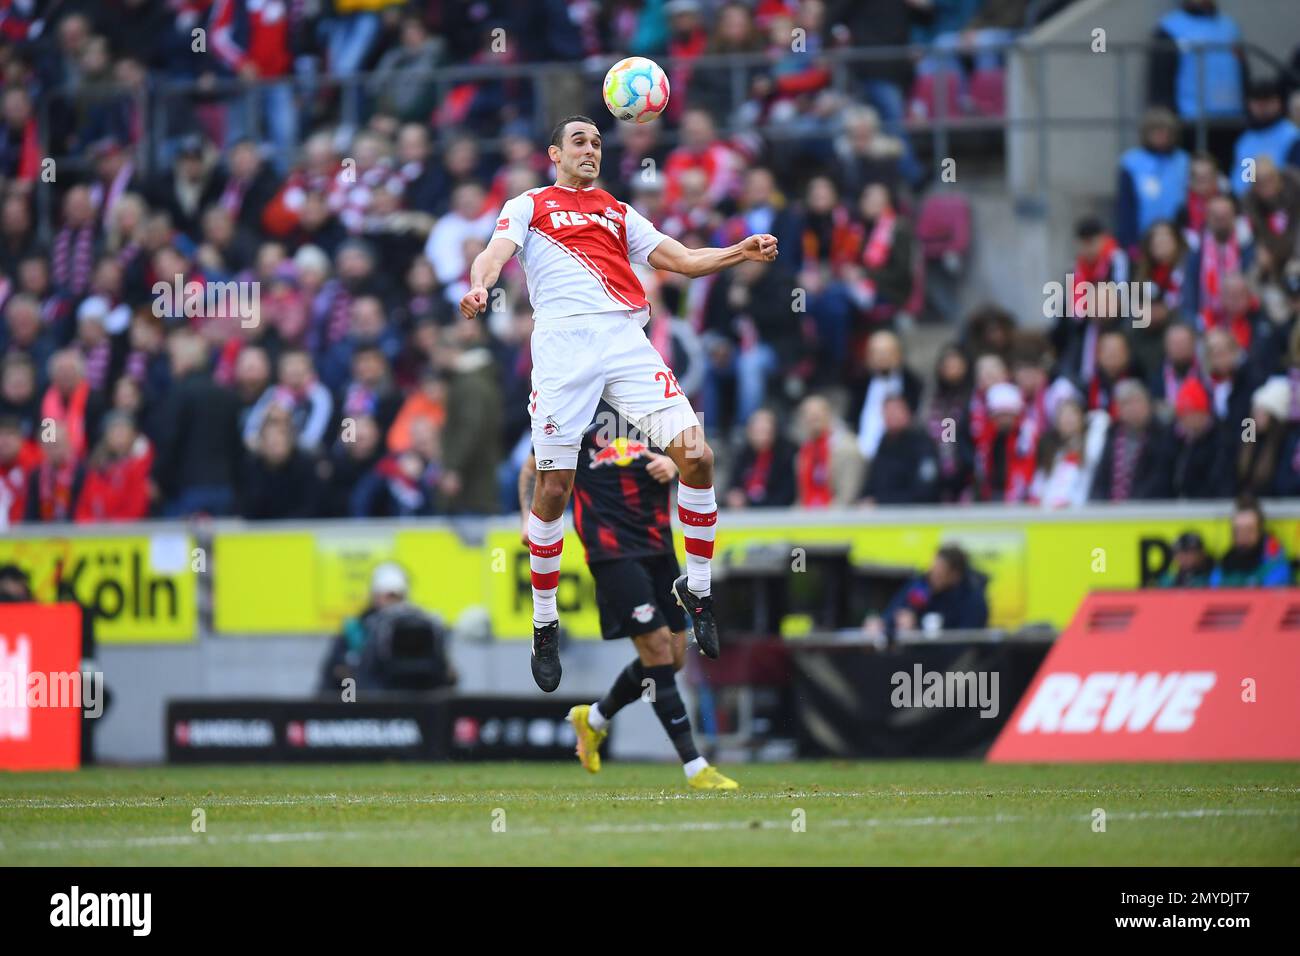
[{"x": 671, "y": 388}]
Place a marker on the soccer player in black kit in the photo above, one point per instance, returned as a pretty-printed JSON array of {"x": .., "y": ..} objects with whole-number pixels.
[{"x": 621, "y": 507}]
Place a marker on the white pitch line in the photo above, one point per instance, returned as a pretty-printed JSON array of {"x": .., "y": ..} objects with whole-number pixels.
[
  {"x": 489, "y": 796},
  {"x": 628, "y": 829}
]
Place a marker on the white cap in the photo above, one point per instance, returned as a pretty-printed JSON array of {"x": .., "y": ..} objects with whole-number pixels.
[
  {"x": 388, "y": 578},
  {"x": 93, "y": 309},
  {"x": 1004, "y": 397}
]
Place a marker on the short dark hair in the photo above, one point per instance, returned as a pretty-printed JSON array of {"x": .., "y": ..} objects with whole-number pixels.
[
  {"x": 955, "y": 557},
  {"x": 557, "y": 134}
]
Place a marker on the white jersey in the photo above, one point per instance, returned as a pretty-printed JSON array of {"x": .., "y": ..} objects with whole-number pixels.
[{"x": 577, "y": 247}]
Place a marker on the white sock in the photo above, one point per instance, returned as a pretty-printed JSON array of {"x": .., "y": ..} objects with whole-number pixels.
[
  {"x": 697, "y": 509},
  {"x": 692, "y": 767},
  {"x": 596, "y": 719},
  {"x": 545, "y": 543}
]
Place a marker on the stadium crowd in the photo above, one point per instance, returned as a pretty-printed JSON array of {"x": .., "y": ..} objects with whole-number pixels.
[{"x": 355, "y": 390}]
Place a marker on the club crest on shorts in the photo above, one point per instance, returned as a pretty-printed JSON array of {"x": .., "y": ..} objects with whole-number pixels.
[{"x": 642, "y": 613}]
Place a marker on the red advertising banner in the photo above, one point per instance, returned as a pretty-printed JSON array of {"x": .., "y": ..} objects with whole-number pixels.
[
  {"x": 40, "y": 687},
  {"x": 1166, "y": 676}
]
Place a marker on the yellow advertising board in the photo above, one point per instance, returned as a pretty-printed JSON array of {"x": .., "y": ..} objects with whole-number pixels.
[
  {"x": 141, "y": 588},
  {"x": 308, "y": 582},
  {"x": 1039, "y": 568}
]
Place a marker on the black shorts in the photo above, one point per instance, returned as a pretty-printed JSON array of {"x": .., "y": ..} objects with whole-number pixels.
[{"x": 635, "y": 595}]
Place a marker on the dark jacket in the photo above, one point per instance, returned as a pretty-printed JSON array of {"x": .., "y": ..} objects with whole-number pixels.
[
  {"x": 1152, "y": 474},
  {"x": 293, "y": 490},
  {"x": 1202, "y": 466},
  {"x": 198, "y": 436},
  {"x": 905, "y": 470},
  {"x": 961, "y": 607},
  {"x": 777, "y": 488}
]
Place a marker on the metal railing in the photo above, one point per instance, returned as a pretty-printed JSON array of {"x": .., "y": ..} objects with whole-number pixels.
[{"x": 849, "y": 70}]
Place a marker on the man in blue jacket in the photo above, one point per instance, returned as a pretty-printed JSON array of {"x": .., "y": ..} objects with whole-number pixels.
[{"x": 950, "y": 589}]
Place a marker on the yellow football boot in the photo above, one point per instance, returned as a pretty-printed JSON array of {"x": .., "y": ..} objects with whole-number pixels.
[
  {"x": 589, "y": 740},
  {"x": 711, "y": 779}
]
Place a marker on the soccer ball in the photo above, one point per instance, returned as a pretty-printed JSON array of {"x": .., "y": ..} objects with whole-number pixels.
[{"x": 636, "y": 89}]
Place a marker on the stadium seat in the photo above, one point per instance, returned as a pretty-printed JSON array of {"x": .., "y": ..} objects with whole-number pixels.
[
  {"x": 924, "y": 103},
  {"x": 943, "y": 225},
  {"x": 988, "y": 92}
]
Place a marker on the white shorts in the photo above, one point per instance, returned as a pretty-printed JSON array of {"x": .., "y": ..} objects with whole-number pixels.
[{"x": 579, "y": 359}]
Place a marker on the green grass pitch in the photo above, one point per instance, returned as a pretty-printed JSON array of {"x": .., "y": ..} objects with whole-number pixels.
[{"x": 904, "y": 813}]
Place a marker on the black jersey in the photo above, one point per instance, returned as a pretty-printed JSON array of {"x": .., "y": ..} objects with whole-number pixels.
[{"x": 619, "y": 509}]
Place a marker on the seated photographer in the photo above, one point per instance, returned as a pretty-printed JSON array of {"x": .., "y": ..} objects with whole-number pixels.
[{"x": 391, "y": 644}]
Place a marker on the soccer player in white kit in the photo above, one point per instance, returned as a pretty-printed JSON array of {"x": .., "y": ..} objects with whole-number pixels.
[{"x": 577, "y": 244}]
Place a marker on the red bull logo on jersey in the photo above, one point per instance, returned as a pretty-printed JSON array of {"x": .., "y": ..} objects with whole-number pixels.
[
  {"x": 562, "y": 219},
  {"x": 621, "y": 451}
]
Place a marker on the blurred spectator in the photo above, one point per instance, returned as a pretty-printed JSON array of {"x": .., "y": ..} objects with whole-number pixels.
[
  {"x": 947, "y": 597},
  {"x": 1256, "y": 558},
  {"x": 1137, "y": 460},
  {"x": 828, "y": 465},
  {"x": 947, "y": 420},
  {"x": 750, "y": 335},
  {"x": 865, "y": 155},
  {"x": 734, "y": 32},
  {"x": 905, "y": 470},
  {"x": 1114, "y": 364},
  {"x": 71, "y": 401},
  {"x": 402, "y": 82},
  {"x": 299, "y": 393},
  {"x": 880, "y": 275},
  {"x": 1204, "y": 183},
  {"x": 1223, "y": 250},
  {"x": 198, "y": 454},
  {"x": 349, "y": 462},
  {"x": 19, "y": 397},
  {"x": 117, "y": 486},
  {"x": 13, "y": 473},
  {"x": 1177, "y": 366},
  {"x": 1153, "y": 178},
  {"x": 1202, "y": 460},
  {"x": 702, "y": 150},
  {"x": 762, "y": 475},
  {"x": 1161, "y": 266},
  {"x": 14, "y": 586},
  {"x": 54, "y": 486},
  {"x": 1232, "y": 379},
  {"x": 468, "y": 219},
  {"x": 471, "y": 444},
  {"x": 1272, "y": 207},
  {"x": 1064, "y": 466},
  {"x": 1271, "y": 135},
  {"x": 189, "y": 187},
  {"x": 24, "y": 334},
  {"x": 1190, "y": 566},
  {"x": 1268, "y": 460},
  {"x": 1195, "y": 69},
  {"x": 886, "y": 375},
  {"x": 403, "y": 483},
  {"x": 1005, "y": 448},
  {"x": 279, "y": 480}
]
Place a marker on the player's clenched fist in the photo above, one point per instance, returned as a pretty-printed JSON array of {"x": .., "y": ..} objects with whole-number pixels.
[
  {"x": 473, "y": 302},
  {"x": 761, "y": 248}
]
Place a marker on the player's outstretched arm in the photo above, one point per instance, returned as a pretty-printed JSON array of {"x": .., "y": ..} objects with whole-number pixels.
[
  {"x": 483, "y": 275},
  {"x": 671, "y": 256}
]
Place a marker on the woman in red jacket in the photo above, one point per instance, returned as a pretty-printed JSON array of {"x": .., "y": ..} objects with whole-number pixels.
[{"x": 117, "y": 475}]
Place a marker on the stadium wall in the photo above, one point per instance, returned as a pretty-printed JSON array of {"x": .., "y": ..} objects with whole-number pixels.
[{"x": 240, "y": 609}]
